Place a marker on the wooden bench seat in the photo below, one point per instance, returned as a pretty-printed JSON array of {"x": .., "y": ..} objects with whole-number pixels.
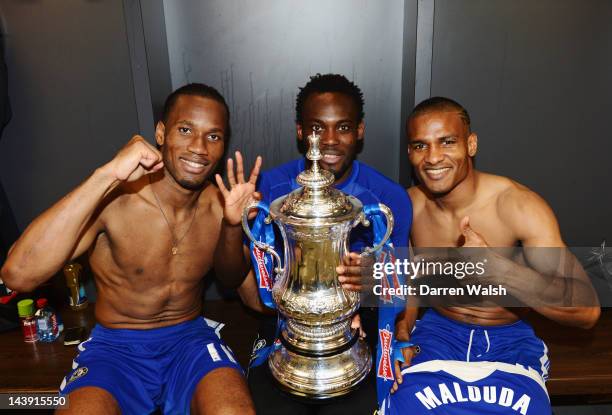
[{"x": 581, "y": 360}]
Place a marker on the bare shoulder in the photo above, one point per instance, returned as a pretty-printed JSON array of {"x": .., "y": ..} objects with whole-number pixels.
[
  {"x": 513, "y": 197},
  {"x": 417, "y": 197},
  {"x": 124, "y": 198},
  {"x": 211, "y": 200},
  {"x": 523, "y": 210}
]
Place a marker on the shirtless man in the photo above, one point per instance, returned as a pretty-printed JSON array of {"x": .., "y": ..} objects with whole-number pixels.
[
  {"x": 458, "y": 206},
  {"x": 150, "y": 219}
]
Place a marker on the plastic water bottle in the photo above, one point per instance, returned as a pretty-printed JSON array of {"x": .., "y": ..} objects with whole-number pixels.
[
  {"x": 60, "y": 324},
  {"x": 46, "y": 321}
]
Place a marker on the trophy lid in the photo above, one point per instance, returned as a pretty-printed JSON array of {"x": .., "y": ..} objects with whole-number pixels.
[{"x": 317, "y": 198}]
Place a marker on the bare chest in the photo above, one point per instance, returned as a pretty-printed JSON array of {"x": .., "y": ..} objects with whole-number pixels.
[
  {"x": 431, "y": 228},
  {"x": 141, "y": 245}
]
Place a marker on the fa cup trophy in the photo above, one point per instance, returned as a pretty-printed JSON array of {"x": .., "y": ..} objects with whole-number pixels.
[{"x": 321, "y": 356}]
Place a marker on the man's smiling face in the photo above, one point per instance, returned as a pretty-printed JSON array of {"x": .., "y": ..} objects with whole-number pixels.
[
  {"x": 440, "y": 148},
  {"x": 192, "y": 139},
  {"x": 334, "y": 117}
]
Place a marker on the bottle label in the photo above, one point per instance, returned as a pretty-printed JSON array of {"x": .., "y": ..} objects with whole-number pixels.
[
  {"x": 81, "y": 298},
  {"x": 43, "y": 324},
  {"x": 54, "y": 327},
  {"x": 28, "y": 325}
]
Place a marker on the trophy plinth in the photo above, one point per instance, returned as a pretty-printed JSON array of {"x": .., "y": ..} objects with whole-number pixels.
[
  {"x": 321, "y": 356},
  {"x": 321, "y": 377}
]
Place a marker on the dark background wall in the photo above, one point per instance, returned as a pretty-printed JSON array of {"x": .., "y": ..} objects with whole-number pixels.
[
  {"x": 259, "y": 53},
  {"x": 536, "y": 78},
  {"x": 85, "y": 75},
  {"x": 72, "y": 97}
]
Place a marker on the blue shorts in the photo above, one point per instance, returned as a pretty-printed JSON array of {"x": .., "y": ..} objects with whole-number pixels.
[
  {"x": 149, "y": 369},
  {"x": 443, "y": 387},
  {"x": 467, "y": 369},
  {"x": 441, "y": 338}
]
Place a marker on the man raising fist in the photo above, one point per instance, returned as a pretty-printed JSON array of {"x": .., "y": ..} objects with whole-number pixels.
[{"x": 150, "y": 219}]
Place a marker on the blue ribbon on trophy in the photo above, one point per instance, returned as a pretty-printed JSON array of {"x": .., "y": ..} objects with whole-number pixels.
[
  {"x": 263, "y": 262},
  {"x": 388, "y": 308}
]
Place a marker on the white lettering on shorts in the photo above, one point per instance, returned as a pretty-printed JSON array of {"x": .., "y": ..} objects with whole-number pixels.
[
  {"x": 228, "y": 353},
  {"x": 80, "y": 372},
  {"x": 489, "y": 394},
  {"x": 212, "y": 351}
]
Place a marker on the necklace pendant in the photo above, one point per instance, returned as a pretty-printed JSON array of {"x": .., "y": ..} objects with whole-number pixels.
[{"x": 174, "y": 250}]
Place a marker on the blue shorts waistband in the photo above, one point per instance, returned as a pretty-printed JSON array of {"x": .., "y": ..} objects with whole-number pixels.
[
  {"x": 142, "y": 335},
  {"x": 432, "y": 314}
]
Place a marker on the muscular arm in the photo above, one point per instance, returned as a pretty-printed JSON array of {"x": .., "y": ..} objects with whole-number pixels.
[
  {"x": 555, "y": 274},
  {"x": 228, "y": 260},
  {"x": 62, "y": 232},
  {"x": 249, "y": 295},
  {"x": 404, "y": 323},
  {"x": 231, "y": 263},
  {"x": 69, "y": 227}
]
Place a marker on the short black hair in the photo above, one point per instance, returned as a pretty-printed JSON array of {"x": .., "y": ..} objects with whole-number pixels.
[
  {"x": 441, "y": 104},
  {"x": 199, "y": 90},
  {"x": 329, "y": 82}
]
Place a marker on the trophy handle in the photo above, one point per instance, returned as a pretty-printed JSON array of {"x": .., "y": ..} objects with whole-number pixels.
[
  {"x": 261, "y": 245},
  {"x": 390, "y": 222}
]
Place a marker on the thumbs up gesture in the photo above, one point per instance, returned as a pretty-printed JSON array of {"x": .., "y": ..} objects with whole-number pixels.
[
  {"x": 496, "y": 268},
  {"x": 472, "y": 238}
]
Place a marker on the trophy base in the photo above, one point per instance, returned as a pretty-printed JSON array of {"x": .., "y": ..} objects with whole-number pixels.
[{"x": 321, "y": 377}]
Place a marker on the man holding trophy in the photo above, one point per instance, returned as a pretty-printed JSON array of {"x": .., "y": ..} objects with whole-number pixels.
[{"x": 310, "y": 360}]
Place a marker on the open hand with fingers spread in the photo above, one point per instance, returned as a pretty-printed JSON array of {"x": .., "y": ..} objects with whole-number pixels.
[{"x": 240, "y": 192}]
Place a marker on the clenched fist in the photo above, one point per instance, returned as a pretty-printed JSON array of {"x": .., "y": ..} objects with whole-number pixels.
[{"x": 134, "y": 160}]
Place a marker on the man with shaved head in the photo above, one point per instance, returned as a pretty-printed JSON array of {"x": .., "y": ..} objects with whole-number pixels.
[
  {"x": 149, "y": 219},
  {"x": 476, "y": 359}
]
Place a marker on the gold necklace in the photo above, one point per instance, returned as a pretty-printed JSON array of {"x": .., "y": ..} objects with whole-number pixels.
[{"x": 175, "y": 242}]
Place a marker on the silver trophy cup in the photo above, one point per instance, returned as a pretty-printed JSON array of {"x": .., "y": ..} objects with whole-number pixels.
[{"x": 321, "y": 356}]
